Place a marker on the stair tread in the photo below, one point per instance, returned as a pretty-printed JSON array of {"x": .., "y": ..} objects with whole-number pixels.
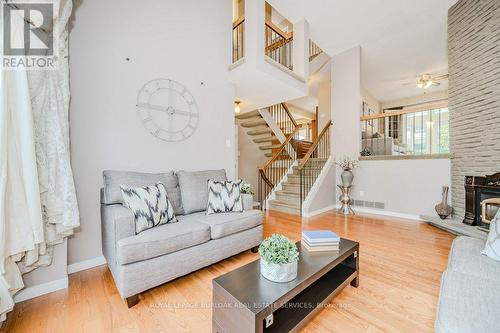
[
  {"x": 253, "y": 123},
  {"x": 267, "y": 138},
  {"x": 290, "y": 193},
  {"x": 308, "y": 168},
  {"x": 277, "y": 202},
  {"x": 247, "y": 115},
  {"x": 269, "y": 147},
  {"x": 259, "y": 131}
]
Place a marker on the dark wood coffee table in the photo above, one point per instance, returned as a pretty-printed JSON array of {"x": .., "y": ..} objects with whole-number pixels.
[{"x": 245, "y": 301}]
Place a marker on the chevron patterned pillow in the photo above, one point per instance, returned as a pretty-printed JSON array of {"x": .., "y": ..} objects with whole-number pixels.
[
  {"x": 224, "y": 197},
  {"x": 149, "y": 204}
]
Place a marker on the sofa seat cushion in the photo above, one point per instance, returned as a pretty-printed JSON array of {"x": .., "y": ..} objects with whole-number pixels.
[
  {"x": 465, "y": 257},
  {"x": 225, "y": 224},
  {"x": 468, "y": 304},
  {"x": 162, "y": 240}
]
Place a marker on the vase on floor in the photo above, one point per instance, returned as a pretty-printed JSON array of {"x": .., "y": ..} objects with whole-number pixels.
[
  {"x": 443, "y": 209},
  {"x": 347, "y": 177}
]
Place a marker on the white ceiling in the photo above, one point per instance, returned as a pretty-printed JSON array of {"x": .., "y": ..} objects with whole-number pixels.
[
  {"x": 400, "y": 39},
  {"x": 306, "y": 103}
]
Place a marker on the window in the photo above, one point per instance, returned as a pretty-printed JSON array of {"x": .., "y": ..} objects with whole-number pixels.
[
  {"x": 404, "y": 131},
  {"x": 427, "y": 132}
]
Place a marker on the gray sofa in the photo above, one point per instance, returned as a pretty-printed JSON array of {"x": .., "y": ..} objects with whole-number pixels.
[
  {"x": 469, "y": 300},
  {"x": 384, "y": 146},
  {"x": 158, "y": 255}
]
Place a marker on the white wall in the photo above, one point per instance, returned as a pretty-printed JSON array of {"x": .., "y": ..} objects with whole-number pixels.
[
  {"x": 343, "y": 100},
  {"x": 404, "y": 186},
  {"x": 346, "y": 103},
  {"x": 56, "y": 271},
  {"x": 188, "y": 41},
  {"x": 322, "y": 196},
  {"x": 419, "y": 99},
  {"x": 324, "y": 104},
  {"x": 372, "y": 102}
]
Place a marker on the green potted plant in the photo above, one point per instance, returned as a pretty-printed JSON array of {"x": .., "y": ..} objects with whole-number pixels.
[
  {"x": 278, "y": 258},
  {"x": 246, "y": 188}
]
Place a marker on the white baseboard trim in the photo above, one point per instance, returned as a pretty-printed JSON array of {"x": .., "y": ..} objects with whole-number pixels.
[
  {"x": 49, "y": 287},
  {"x": 373, "y": 211},
  {"x": 319, "y": 211},
  {"x": 385, "y": 213},
  {"x": 41, "y": 289},
  {"x": 86, "y": 264}
]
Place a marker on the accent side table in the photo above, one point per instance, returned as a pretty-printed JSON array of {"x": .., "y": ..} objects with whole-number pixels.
[{"x": 346, "y": 200}]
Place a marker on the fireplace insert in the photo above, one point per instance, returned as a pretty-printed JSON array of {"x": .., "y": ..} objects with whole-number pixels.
[{"x": 481, "y": 189}]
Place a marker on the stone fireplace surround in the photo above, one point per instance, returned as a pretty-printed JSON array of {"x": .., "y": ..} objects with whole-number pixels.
[{"x": 474, "y": 97}]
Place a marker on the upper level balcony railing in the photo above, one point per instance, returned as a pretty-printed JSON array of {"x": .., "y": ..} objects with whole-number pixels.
[
  {"x": 279, "y": 45},
  {"x": 314, "y": 50},
  {"x": 406, "y": 132},
  {"x": 238, "y": 39}
]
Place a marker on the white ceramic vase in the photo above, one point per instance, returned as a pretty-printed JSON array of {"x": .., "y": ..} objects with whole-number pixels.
[{"x": 278, "y": 272}]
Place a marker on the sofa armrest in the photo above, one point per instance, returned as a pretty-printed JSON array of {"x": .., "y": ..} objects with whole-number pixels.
[
  {"x": 117, "y": 222},
  {"x": 247, "y": 201}
]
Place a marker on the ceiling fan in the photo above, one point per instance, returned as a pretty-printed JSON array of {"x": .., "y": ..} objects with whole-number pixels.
[{"x": 426, "y": 80}]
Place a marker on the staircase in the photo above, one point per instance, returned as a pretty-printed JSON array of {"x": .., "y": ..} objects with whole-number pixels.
[
  {"x": 288, "y": 199},
  {"x": 259, "y": 131},
  {"x": 302, "y": 147},
  {"x": 294, "y": 165},
  {"x": 296, "y": 185}
]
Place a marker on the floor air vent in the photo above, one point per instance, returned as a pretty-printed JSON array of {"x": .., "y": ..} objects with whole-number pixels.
[{"x": 369, "y": 204}]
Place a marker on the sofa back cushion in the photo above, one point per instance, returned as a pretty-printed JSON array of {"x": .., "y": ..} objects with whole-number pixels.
[
  {"x": 194, "y": 188},
  {"x": 113, "y": 179}
]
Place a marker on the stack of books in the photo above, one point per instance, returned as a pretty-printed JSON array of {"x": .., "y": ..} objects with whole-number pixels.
[{"x": 320, "y": 240}]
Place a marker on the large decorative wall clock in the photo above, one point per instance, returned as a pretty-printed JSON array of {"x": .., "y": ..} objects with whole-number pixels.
[{"x": 167, "y": 110}]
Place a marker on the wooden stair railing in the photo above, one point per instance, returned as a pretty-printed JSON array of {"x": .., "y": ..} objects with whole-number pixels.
[
  {"x": 312, "y": 163},
  {"x": 283, "y": 118},
  {"x": 271, "y": 173}
]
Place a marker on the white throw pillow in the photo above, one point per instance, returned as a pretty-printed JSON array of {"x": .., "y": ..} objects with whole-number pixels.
[
  {"x": 149, "y": 204},
  {"x": 224, "y": 197},
  {"x": 492, "y": 247}
]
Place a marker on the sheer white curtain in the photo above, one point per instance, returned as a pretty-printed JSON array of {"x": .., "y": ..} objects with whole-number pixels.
[{"x": 38, "y": 205}]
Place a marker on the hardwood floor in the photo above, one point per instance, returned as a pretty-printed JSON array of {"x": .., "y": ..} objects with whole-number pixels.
[{"x": 401, "y": 262}]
